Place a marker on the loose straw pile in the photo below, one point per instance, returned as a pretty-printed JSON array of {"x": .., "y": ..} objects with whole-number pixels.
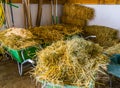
[
  {"x": 72, "y": 62},
  {"x": 54, "y": 33},
  {"x": 1, "y": 50},
  {"x": 16, "y": 38},
  {"x": 105, "y": 36},
  {"x": 113, "y": 50}
]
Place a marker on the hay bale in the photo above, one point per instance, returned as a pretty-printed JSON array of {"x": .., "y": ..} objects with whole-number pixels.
[
  {"x": 78, "y": 11},
  {"x": 73, "y": 21},
  {"x": 105, "y": 36},
  {"x": 72, "y": 62}
]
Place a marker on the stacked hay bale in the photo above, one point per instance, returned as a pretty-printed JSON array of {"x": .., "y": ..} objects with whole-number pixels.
[
  {"x": 105, "y": 36},
  {"x": 49, "y": 34},
  {"x": 71, "y": 62},
  {"x": 77, "y": 14},
  {"x": 73, "y": 21},
  {"x": 17, "y": 38}
]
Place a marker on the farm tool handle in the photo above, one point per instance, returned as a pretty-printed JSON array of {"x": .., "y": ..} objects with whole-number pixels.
[
  {"x": 56, "y": 12},
  {"x": 2, "y": 21},
  {"x": 11, "y": 10},
  {"x": 52, "y": 12},
  {"x": 39, "y": 14},
  {"x": 6, "y": 23},
  {"x": 24, "y": 12},
  {"x": 27, "y": 13},
  {"x": 10, "y": 4}
]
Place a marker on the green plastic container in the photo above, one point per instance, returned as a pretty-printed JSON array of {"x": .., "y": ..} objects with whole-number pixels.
[{"x": 23, "y": 54}]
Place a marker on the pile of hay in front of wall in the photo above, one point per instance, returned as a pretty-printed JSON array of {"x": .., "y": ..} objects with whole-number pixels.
[
  {"x": 105, "y": 36},
  {"x": 72, "y": 62},
  {"x": 54, "y": 33},
  {"x": 67, "y": 29},
  {"x": 113, "y": 50},
  {"x": 17, "y": 38},
  {"x": 78, "y": 11}
]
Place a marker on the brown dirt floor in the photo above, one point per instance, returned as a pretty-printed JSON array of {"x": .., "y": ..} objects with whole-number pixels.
[
  {"x": 10, "y": 78},
  {"x": 103, "y": 81}
]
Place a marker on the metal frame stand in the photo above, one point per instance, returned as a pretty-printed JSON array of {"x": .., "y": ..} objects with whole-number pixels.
[
  {"x": 20, "y": 65},
  {"x": 44, "y": 85}
]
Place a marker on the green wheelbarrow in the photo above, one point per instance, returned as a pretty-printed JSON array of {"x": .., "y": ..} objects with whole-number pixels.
[{"x": 23, "y": 56}]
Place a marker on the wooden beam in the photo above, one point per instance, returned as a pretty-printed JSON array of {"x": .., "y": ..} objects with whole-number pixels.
[
  {"x": 75, "y": 1},
  {"x": 44, "y": 1},
  {"x": 94, "y": 1}
]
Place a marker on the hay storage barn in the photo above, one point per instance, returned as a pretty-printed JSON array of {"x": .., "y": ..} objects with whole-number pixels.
[{"x": 59, "y": 43}]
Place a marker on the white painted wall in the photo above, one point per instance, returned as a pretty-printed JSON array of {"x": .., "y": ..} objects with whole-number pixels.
[
  {"x": 46, "y": 14},
  {"x": 106, "y": 15}
]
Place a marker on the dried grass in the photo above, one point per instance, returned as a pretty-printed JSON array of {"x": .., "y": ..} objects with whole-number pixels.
[
  {"x": 105, "y": 36},
  {"x": 73, "y": 21},
  {"x": 113, "y": 50},
  {"x": 72, "y": 62},
  {"x": 1, "y": 50},
  {"x": 54, "y": 33},
  {"x": 19, "y": 32},
  {"x": 17, "y": 38},
  {"x": 78, "y": 11}
]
